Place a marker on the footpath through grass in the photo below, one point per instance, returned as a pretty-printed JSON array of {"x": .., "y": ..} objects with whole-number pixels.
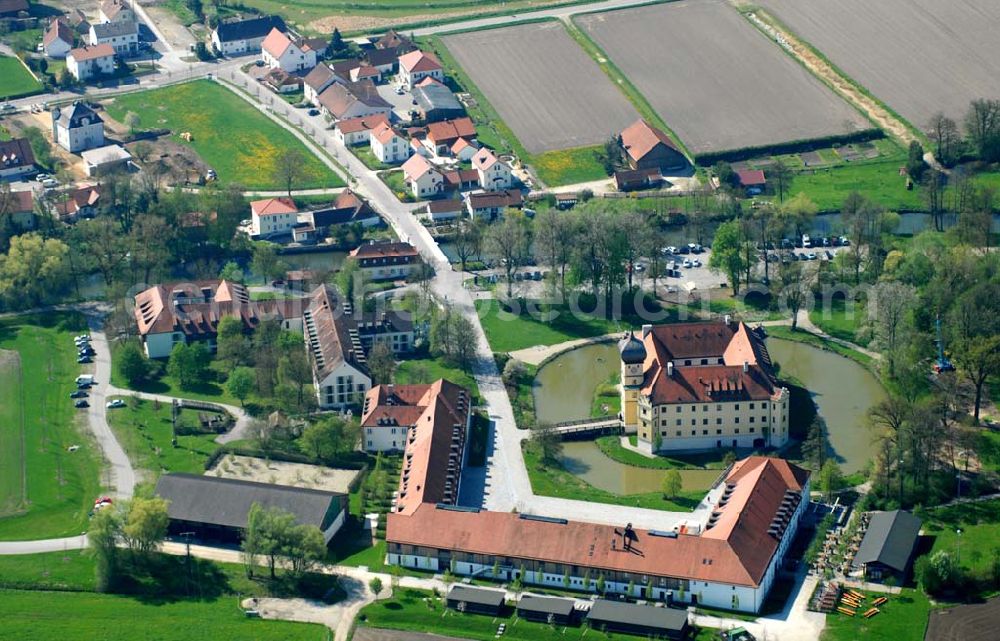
[
  {"x": 46, "y": 490},
  {"x": 15, "y": 81},
  {"x": 902, "y": 618},
  {"x": 243, "y": 145},
  {"x": 841, "y": 320}
]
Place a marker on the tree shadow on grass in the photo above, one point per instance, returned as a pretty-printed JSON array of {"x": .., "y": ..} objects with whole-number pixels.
[{"x": 167, "y": 579}]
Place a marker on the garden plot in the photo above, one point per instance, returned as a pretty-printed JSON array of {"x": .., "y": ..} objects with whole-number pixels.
[
  {"x": 543, "y": 85},
  {"x": 716, "y": 80},
  {"x": 919, "y": 57},
  {"x": 314, "y": 477}
]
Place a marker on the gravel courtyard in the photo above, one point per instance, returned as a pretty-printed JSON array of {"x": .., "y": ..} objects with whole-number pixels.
[
  {"x": 716, "y": 80},
  {"x": 543, "y": 85},
  {"x": 316, "y": 477}
]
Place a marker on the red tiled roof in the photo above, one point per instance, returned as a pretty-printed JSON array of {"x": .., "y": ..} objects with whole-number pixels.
[
  {"x": 58, "y": 29},
  {"x": 416, "y": 166},
  {"x": 273, "y": 206},
  {"x": 276, "y": 43},
  {"x": 735, "y": 549},
  {"x": 384, "y": 133},
  {"x": 103, "y": 50},
  {"x": 384, "y": 250},
  {"x": 448, "y": 131},
  {"x": 751, "y": 177},
  {"x": 640, "y": 138},
  {"x": 418, "y": 62},
  {"x": 354, "y": 125}
]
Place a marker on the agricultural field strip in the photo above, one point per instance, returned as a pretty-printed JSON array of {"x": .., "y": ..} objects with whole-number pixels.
[
  {"x": 937, "y": 56},
  {"x": 544, "y": 86},
  {"x": 13, "y": 481},
  {"x": 742, "y": 91}
]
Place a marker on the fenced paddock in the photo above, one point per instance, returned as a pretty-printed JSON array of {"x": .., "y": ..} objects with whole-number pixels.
[
  {"x": 544, "y": 86},
  {"x": 718, "y": 82}
]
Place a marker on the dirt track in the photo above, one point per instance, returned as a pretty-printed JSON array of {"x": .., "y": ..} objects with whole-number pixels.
[
  {"x": 977, "y": 622},
  {"x": 544, "y": 86},
  {"x": 715, "y": 79},
  {"x": 919, "y": 57}
]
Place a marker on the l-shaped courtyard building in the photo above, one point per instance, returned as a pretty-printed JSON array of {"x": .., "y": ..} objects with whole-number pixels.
[{"x": 725, "y": 554}]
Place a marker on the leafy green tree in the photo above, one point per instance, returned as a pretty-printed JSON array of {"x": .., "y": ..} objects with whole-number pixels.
[
  {"x": 240, "y": 383},
  {"x": 727, "y": 254},
  {"x": 188, "y": 365},
  {"x": 600, "y": 584},
  {"x": 145, "y": 524},
  {"x": 831, "y": 479},
  {"x": 102, "y": 541},
  {"x": 132, "y": 121},
  {"x": 915, "y": 165},
  {"x": 336, "y": 45},
  {"x": 34, "y": 271},
  {"x": 265, "y": 262},
  {"x": 672, "y": 484},
  {"x": 547, "y": 442},
  {"x": 231, "y": 343},
  {"x": 330, "y": 437},
  {"x": 381, "y": 363},
  {"x": 132, "y": 364},
  {"x": 232, "y": 271},
  {"x": 375, "y": 585}
]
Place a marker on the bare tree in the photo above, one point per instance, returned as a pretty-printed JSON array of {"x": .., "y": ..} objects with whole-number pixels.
[
  {"x": 466, "y": 240},
  {"x": 944, "y": 135},
  {"x": 508, "y": 241},
  {"x": 890, "y": 304},
  {"x": 553, "y": 242},
  {"x": 982, "y": 126},
  {"x": 289, "y": 169},
  {"x": 780, "y": 176}
]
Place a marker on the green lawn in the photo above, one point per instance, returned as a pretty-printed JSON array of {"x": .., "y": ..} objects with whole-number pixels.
[
  {"x": 428, "y": 370},
  {"x": 145, "y": 432},
  {"x": 395, "y": 181},
  {"x": 210, "y": 391},
  {"x": 741, "y": 308},
  {"x": 84, "y": 616},
  {"x": 549, "y": 481},
  {"x": 607, "y": 398},
  {"x": 569, "y": 166},
  {"x": 45, "y": 489},
  {"x": 980, "y": 537},
  {"x": 878, "y": 180},
  {"x": 841, "y": 320},
  {"x": 902, "y": 618},
  {"x": 230, "y": 135},
  {"x": 612, "y": 448},
  {"x": 15, "y": 81},
  {"x": 69, "y": 570},
  {"x": 507, "y": 332},
  {"x": 367, "y": 156}
]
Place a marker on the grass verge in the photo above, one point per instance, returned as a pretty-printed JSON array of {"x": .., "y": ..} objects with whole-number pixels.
[{"x": 15, "y": 81}]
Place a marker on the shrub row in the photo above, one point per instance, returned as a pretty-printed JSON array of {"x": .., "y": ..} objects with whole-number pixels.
[{"x": 791, "y": 147}]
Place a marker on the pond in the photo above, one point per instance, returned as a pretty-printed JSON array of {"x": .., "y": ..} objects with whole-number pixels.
[
  {"x": 587, "y": 461},
  {"x": 842, "y": 389}
]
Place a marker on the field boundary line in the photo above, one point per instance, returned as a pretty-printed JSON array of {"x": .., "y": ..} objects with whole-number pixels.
[{"x": 828, "y": 73}]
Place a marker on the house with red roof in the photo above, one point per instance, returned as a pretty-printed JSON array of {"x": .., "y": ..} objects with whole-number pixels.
[
  {"x": 423, "y": 178},
  {"x": 753, "y": 181},
  {"x": 88, "y": 62},
  {"x": 357, "y": 131},
  {"x": 494, "y": 175},
  {"x": 388, "y": 145},
  {"x": 417, "y": 65},
  {"x": 279, "y": 52},
  {"x": 272, "y": 216},
  {"x": 647, "y": 147}
]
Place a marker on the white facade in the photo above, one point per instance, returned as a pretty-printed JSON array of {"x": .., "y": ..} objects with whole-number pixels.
[
  {"x": 352, "y": 138},
  {"x": 236, "y": 47},
  {"x": 122, "y": 43},
  {"x": 58, "y": 48},
  {"x": 395, "y": 149},
  {"x": 496, "y": 177},
  {"x": 124, "y": 14},
  {"x": 76, "y": 139},
  {"x": 291, "y": 59},
  {"x": 344, "y": 386},
  {"x": 160, "y": 345},
  {"x": 89, "y": 68},
  {"x": 429, "y": 184},
  {"x": 272, "y": 224},
  {"x": 411, "y": 78}
]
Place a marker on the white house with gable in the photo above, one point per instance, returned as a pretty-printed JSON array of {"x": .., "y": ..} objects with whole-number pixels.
[{"x": 494, "y": 175}]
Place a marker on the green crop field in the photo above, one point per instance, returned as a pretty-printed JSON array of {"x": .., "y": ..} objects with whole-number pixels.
[
  {"x": 46, "y": 490},
  {"x": 15, "y": 80},
  {"x": 83, "y": 616},
  {"x": 230, "y": 135}
]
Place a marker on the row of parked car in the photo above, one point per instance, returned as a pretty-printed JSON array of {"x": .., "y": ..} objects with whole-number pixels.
[
  {"x": 690, "y": 248},
  {"x": 84, "y": 382}
]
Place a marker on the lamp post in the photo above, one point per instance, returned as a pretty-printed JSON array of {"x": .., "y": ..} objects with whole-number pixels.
[{"x": 958, "y": 532}]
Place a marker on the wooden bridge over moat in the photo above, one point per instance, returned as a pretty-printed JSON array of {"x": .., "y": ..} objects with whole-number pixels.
[{"x": 589, "y": 427}]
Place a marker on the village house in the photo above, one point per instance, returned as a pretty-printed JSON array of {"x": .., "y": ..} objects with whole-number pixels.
[
  {"x": 385, "y": 60},
  {"x": 19, "y": 206},
  {"x": 347, "y": 209},
  {"x": 388, "y": 146},
  {"x": 387, "y": 260},
  {"x": 394, "y": 41},
  {"x": 238, "y": 36},
  {"x": 494, "y": 175},
  {"x": 78, "y": 21},
  {"x": 279, "y": 52},
  {"x": 435, "y": 102},
  {"x": 86, "y": 63},
  {"x": 122, "y": 36},
  {"x": 79, "y": 202},
  {"x": 384, "y": 53},
  {"x": 272, "y": 216},
  {"x": 16, "y": 159},
  {"x": 77, "y": 127},
  {"x": 417, "y": 65},
  {"x": 753, "y": 181},
  {"x": 58, "y": 39},
  {"x": 726, "y": 556},
  {"x": 316, "y": 82},
  {"x": 281, "y": 81},
  {"x": 490, "y": 205},
  {"x": 461, "y": 180},
  {"x": 440, "y": 137},
  {"x": 101, "y": 161},
  {"x": 353, "y": 100},
  {"x": 112, "y": 11},
  {"x": 429, "y": 424},
  {"x": 888, "y": 548},
  {"x": 187, "y": 313},
  {"x": 647, "y": 147},
  {"x": 357, "y": 131},
  {"x": 634, "y": 179},
  {"x": 423, "y": 178},
  {"x": 701, "y": 386},
  {"x": 443, "y": 210},
  {"x": 366, "y": 72}
]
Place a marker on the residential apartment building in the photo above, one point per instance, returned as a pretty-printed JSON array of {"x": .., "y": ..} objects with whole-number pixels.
[
  {"x": 388, "y": 146},
  {"x": 699, "y": 386},
  {"x": 123, "y": 37},
  {"x": 386, "y": 260},
  {"x": 86, "y": 63},
  {"x": 272, "y": 216},
  {"x": 278, "y": 51},
  {"x": 240, "y": 37},
  {"x": 77, "y": 128}
]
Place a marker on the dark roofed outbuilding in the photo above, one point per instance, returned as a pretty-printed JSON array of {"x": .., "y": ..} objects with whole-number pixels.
[
  {"x": 477, "y": 600},
  {"x": 546, "y": 609},
  {"x": 217, "y": 508},
  {"x": 888, "y": 546},
  {"x": 643, "y": 620}
]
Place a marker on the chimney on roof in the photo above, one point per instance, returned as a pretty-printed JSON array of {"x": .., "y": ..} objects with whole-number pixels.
[
  {"x": 746, "y": 366},
  {"x": 728, "y": 318},
  {"x": 646, "y": 329},
  {"x": 670, "y": 368}
]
